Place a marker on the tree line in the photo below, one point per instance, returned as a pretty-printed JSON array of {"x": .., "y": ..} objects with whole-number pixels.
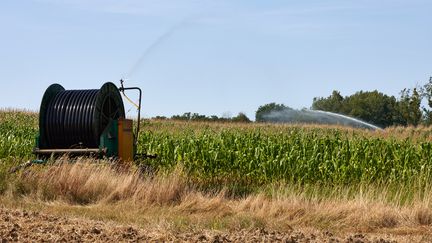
[
  {"x": 370, "y": 106},
  {"x": 381, "y": 109},
  {"x": 189, "y": 116},
  {"x": 411, "y": 107}
]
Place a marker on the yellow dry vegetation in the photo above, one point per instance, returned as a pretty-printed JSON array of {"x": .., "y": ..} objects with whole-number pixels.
[{"x": 102, "y": 191}]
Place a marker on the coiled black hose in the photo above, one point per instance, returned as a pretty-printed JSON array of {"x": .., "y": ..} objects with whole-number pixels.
[
  {"x": 69, "y": 118},
  {"x": 76, "y": 118}
]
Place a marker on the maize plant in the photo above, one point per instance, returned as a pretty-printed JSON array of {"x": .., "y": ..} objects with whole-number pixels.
[{"x": 263, "y": 153}]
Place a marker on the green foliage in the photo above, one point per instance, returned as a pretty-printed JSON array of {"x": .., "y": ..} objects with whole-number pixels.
[
  {"x": 188, "y": 116},
  {"x": 409, "y": 107},
  {"x": 300, "y": 155},
  {"x": 426, "y": 92},
  {"x": 268, "y": 109},
  {"x": 375, "y": 107},
  {"x": 241, "y": 117},
  {"x": 257, "y": 154},
  {"x": 17, "y": 133},
  {"x": 333, "y": 103}
]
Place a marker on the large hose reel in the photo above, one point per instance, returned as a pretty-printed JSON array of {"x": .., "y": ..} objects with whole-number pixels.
[{"x": 84, "y": 121}]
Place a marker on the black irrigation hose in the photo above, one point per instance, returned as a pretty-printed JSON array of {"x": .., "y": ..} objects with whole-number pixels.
[
  {"x": 69, "y": 119},
  {"x": 77, "y": 118}
]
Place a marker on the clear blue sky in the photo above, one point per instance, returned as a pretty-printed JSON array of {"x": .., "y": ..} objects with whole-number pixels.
[{"x": 214, "y": 57}]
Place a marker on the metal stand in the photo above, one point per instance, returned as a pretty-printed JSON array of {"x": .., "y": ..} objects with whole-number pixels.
[{"x": 122, "y": 89}]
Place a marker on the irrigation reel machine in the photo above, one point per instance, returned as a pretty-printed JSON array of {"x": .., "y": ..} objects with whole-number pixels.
[{"x": 87, "y": 122}]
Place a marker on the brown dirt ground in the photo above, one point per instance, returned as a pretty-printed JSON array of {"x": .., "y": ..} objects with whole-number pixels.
[{"x": 24, "y": 226}]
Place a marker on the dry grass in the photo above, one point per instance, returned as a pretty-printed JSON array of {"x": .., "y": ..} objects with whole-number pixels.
[
  {"x": 100, "y": 191},
  {"x": 85, "y": 182}
]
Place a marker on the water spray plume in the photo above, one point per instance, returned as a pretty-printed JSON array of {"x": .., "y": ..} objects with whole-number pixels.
[
  {"x": 160, "y": 40},
  {"x": 367, "y": 125},
  {"x": 166, "y": 35},
  {"x": 316, "y": 117}
]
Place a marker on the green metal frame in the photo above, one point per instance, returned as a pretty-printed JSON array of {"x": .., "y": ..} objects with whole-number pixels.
[{"x": 108, "y": 141}]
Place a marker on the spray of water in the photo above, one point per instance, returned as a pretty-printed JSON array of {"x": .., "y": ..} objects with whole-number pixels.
[
  {"x": 316, "y": 117},
  {"x": 154, "y": 45},
  {"x": 357, "y": 121}
]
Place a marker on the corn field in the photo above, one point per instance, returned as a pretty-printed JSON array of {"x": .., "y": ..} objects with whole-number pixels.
[
  {"x": 289, "y": 153},
  {"x": 263, "y": 153}
]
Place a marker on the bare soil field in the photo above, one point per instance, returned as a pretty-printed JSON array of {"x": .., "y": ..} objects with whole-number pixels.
[{"x": 22, "y": 225}]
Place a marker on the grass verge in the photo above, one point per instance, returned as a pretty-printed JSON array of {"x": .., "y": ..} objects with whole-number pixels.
[{"x": 170, "y": 201}]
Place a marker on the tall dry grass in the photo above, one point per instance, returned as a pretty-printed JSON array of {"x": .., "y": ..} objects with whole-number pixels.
[
  {"x": 87, "y": 182},
  {"x": 101, "y": 191}
]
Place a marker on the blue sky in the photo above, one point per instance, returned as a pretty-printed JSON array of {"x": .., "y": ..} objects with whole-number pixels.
[{"x": 213, "y": 57}]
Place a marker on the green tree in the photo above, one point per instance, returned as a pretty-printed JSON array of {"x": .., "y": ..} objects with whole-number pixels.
[
  {"x": 241, "y": 117},
  {"x": 333, "y": 103},
  {"x": 374, "y": 107},
  {"x": 415, "y": 103},
  {"x": 370, "y": 106},
  {"x": 409, "y": 107},
  {"x": 185, "y": 117},
  {"x": 426, "y": 92},
  {"x": 268, "y": 109}
]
